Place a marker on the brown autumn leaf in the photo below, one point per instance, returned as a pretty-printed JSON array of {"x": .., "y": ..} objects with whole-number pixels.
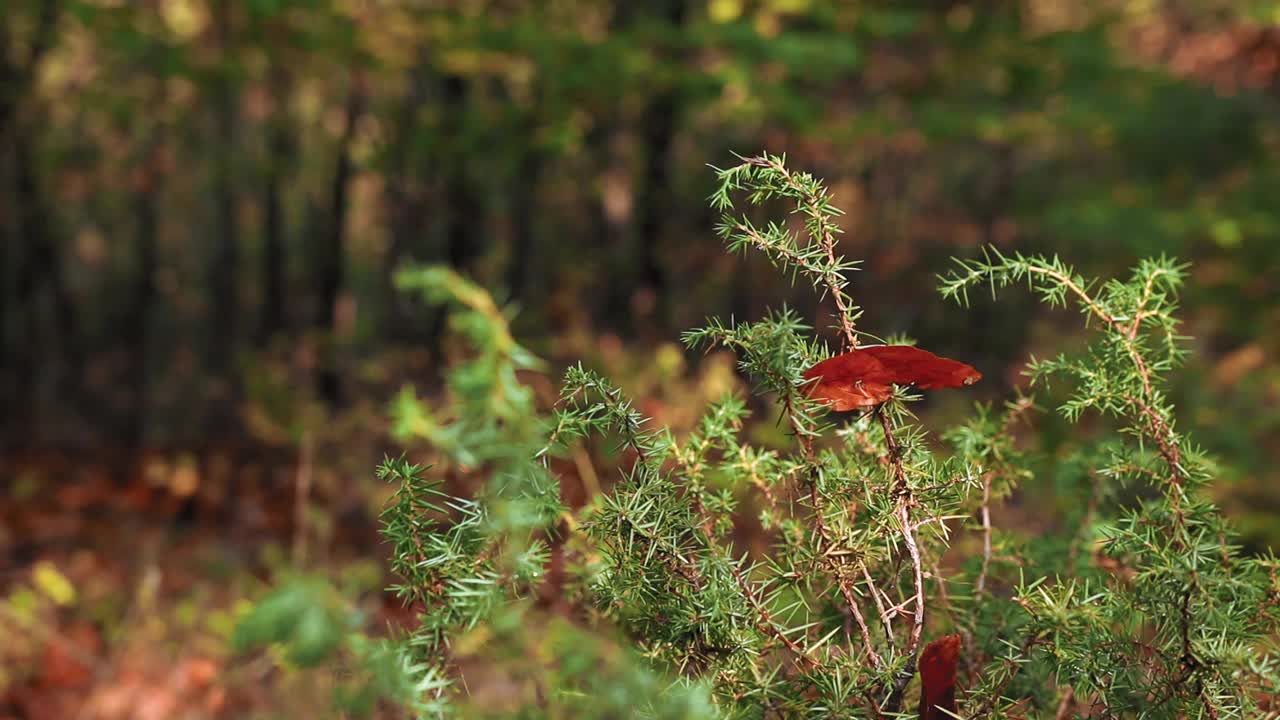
[{"x": 865, "y": 377}]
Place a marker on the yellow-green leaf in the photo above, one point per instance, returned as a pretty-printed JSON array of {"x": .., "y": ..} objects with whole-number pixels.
[{"x": 53, "y": 583}]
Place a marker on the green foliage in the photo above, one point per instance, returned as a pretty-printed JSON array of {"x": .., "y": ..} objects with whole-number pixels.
[
  {"x": 296, "y": 617},
  {"x": 1176, "y": 625},
  {"x": 878, "y": 538},
  {"x": 311, "y": 624}
]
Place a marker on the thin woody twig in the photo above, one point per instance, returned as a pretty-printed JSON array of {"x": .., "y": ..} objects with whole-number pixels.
[
  {"x": 981, "y": 585},
  {"x": 944, "y": 598},
  {"x": 905, "y": 500},
  {"x": 886, "y": 620},
  {"x": 861, "y": 621},
  {"x": 869, "y": 702}
]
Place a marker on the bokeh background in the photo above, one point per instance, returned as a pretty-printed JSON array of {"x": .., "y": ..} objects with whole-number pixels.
[{"x": 202, "y": 203}]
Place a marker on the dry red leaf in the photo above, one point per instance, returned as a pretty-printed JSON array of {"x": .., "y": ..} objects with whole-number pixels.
[
  {"x": 865, "y": 377},
  {"x": 938, "y": 678}
]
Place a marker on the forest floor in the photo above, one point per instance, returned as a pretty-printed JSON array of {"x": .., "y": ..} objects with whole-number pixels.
[{"x": 121, "y": 578}]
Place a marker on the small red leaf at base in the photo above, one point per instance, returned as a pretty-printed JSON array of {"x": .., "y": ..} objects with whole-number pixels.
[{"x": 938, "y": 678}]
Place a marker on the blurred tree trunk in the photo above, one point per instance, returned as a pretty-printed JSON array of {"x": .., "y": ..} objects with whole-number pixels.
[
  {"x": 658, "y": 122},
  {"x": 224, "y": 265},
  {"x": 10, "y": 239},
  {"x": 405, "y": 204},
  {"x": 653, "y": 200},
  {"x": 280, "y": 150},
  {"x": 1003, "y": 338},
  {"x": 525, "y": 182},
  {"x": 147, "y": 223},
  {"x": 331, "y": 271},
  {"x": 463, "y": 240},
  {"x": 41, "y": 272},
  {"x": 29, "y": 247},
  {"x": 523, "y": 221},
  {"x": 9, "y": 258},
  {"x": 462, "y": 209},
  {"x": 612, "y": 224}
]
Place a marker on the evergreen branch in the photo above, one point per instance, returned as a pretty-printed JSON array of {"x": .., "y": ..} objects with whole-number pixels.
[
  {"x": 816, "y": 205},
  {"x": 612, "y": 410},
  {"x": 1009, "y": 667},
  {"x": 1005, "y": 270},
  {"x": 682, "y": 567},
  {"x": 764, "y": 619},
  {"x": 766, "y": 176}
]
